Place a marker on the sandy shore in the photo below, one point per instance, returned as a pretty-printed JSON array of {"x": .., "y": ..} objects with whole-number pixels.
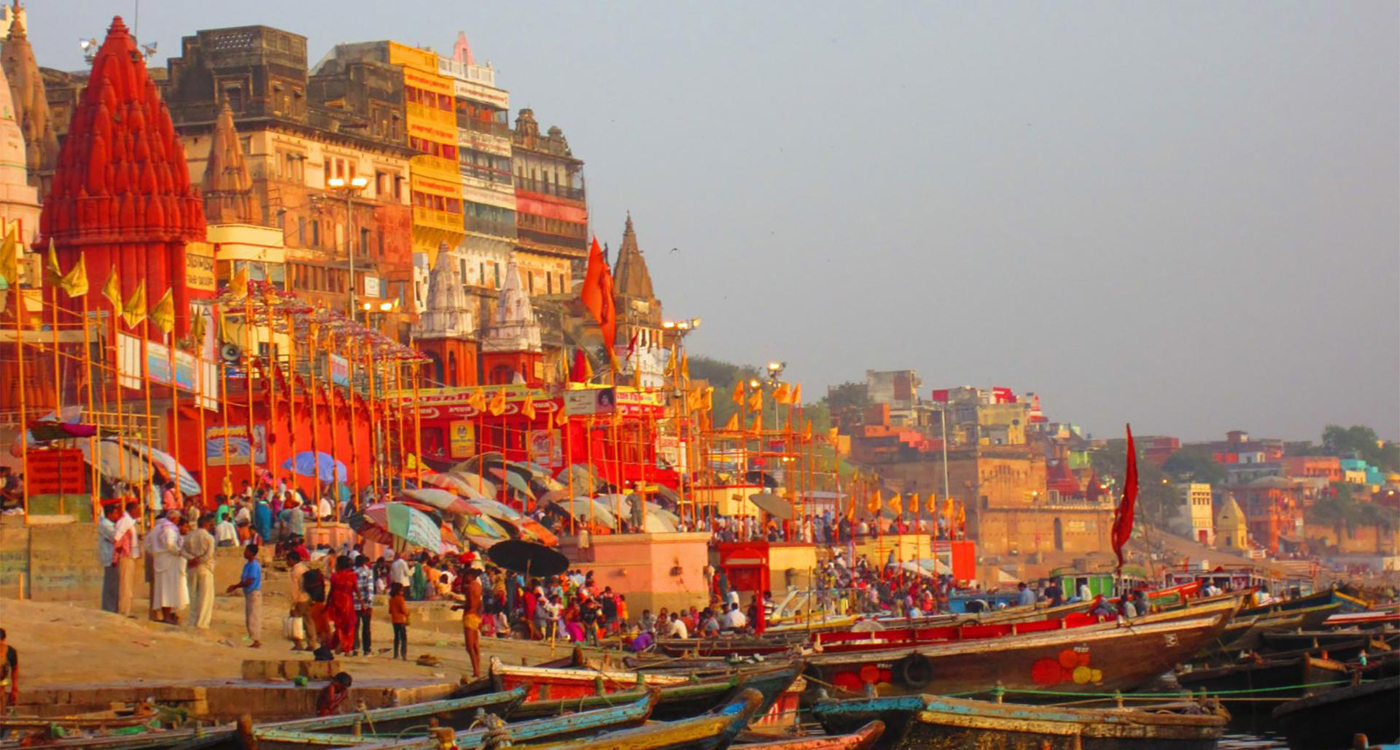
[{"x": 66, "y": 643}]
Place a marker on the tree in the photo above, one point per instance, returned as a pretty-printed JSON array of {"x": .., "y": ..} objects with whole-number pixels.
[
  {"x": 722, "y": 376},
  {"x": 1159, "y": 500},
  {"x": 1195, "y": 464},
  {"x": 1363, "y": 442},
  {"x": 846, "y": 402}
]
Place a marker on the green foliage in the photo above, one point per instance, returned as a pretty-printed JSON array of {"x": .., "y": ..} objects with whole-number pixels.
[
  {"x": 1195, "y": 464},
  {"x": 723, "y": 376},
  {"x": 846, "y": 402},
  {"x": 1362, "y": 442}
]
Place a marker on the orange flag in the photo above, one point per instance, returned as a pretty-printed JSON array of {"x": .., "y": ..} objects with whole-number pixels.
[
  {"x": 733, "y": 424},
  {"x": 897, "y": 504},
  {"x": 795, "y": 396},
  {"x": 782, "y": 394},
  {"x": 756, "y": 401},
  {"x": 477, "y": 400},
  {"x": 597, "y": 297},
  {"x": 757, "y": 423},
  {"x": 738, "y": 396},
  {"x": 497, "y": 407},
  {"x": 528, "y": 407}
]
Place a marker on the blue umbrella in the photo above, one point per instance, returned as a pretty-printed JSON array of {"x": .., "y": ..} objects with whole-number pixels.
[{"x": 316, "y": 464}]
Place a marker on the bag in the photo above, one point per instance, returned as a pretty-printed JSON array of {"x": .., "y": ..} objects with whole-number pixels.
[{"x": 294, "y": 628}]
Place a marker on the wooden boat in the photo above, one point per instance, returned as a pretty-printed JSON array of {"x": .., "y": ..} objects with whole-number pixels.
[
  {"x": 935, "y": 722},
  {"x": 1344, "y": 603},
  {"x": 771, "y": 681},
  {"x": 675, "y": 702},
  {"x": 1330, "y": 720},
  {"x": 862, "y": 738},
  {"x": 1119, "y": 655},
  {"x": 168, "y": 739},
  {"x": 1363, "y": 619},
  {"x": 453, "y": 712},
  {"x": 731, "y": 645},
  {"x": 1308, "y": 639},
  {"x": 551, "y": 729},
  {"x": 712, "y": 731},
  {"x": 1260, "y": 683}
]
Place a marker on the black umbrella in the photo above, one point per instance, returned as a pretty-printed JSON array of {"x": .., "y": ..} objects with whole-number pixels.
[{"x": 528, "y": 558}]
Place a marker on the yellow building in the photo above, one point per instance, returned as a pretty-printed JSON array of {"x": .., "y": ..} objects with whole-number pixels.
[
  {"x": 431, "y": 124},
  {"x": 1231, "y": 530}
]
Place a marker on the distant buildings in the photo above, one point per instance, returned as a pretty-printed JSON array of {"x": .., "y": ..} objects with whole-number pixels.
[{"x": 1198, "y": 511}]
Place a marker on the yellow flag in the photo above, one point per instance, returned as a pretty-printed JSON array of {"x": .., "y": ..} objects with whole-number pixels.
[
  {"x": 198, "y": 327},
  {"x": 497, "y": 406},
  {"x": 896, "y": 504},
  {"x": 685, "y": 365},
  {"x": 9, "y": 256},
  {"x": 75, "y": 282},
  {"x": 134, "y": 311},
  {"x": 781, "y": 393},
  {"x": 561, "y": 418},
  {"x": 733, "y": 424},
  {"x": 52, "y": 273},
  {"x": 477, "y": 400},
  {"x": 914, "y": 503},
  {"x": 962, "y": 517},
  {"x": 163, "y": 314},
  {"x": 738, "y": 396},
  {"x": 528, "y": 407},
  {"x": 239, "y": 284},
  {"x": 832, "y": 433},
  {"x": 795, "y": 397},
  {"x": 948, "y": 510},
  {"x": 671, "y": 364},
  {"x": 807, "y": 430},
  {"x": 872, "y": 503},
  {"x": 112, "y": 290}
]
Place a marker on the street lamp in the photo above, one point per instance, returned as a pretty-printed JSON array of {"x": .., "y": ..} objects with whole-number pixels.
[{"x": 349, "y": 188}]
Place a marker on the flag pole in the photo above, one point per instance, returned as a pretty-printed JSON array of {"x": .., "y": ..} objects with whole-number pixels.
[
  {"x": 353, "y": 476},
  {"x": 291, "y": 391},
  {"x": 274, "y": 366},
  {"x": 418, "y": 422},
  {"x": 248, "y": 386},
  {"x": 200, "y": 399},
  {"x": 150, "y": 422},
  {"x": 92, "y": 410},
  {"x": 174, "y": 411},
  {"x": 23, "y": 411}
]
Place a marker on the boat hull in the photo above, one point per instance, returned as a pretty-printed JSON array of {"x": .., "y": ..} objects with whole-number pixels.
[
  {"x": 1256, "y": 686},
  {"x": 1331, "y": 719},
  {"x": 937, "y": 723},
  {"x": 1081, "y": 660}
]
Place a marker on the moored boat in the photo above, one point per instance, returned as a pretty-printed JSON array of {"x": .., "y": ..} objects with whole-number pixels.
[
  {"x": 1331, "y": 719},
  {"x": 1117, "y": 656},
  {"x": 861, "y": 739},
  {"x": 929, "y": 722},
  {"x": 711, "y": 731},
  {"x": 1260, "y": 683},
  {"x": 453, "y": 712}
]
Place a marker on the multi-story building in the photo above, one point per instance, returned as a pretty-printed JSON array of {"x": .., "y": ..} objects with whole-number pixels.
[
  {"x": 1273, "y": 511},
  {"x": 301, "y": 153},
  {"x": 482, "y": 113},
  {"x": 1198, "y": 511},
  {"x": 551, "y": 212},
  {"x": 982, "y": 416}
]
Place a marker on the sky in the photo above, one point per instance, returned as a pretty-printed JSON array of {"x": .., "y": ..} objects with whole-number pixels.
[{"x": 1181, "y": 215}]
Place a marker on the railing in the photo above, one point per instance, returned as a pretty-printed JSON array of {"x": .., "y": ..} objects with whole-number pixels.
[
  {"x": 499, "y": 129},
  {"x": 487, "y": 226},
  {"x": 437, "y": 219},
  {"x": 549, "y": 188},
  {"x": 484, "y": 74}
]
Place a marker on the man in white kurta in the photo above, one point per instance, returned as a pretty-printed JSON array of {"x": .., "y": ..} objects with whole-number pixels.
[
  {"x": 168, "y": 592},
  {"x": 198, "y": 548}
]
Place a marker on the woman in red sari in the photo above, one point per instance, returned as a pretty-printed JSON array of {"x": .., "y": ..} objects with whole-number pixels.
[{"x": 340, "y": 604}]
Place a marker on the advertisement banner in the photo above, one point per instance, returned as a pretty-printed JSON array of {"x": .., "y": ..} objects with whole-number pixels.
[
  {"x": 590, "y": 402},
  {"x": 340, "y": 369},
  {"x": 56, "y": 471},
  {"x": 461, "y": 439},
  {"x": 545, "y": 448},
  {"x": 236, "y": 436},
  {"x": 199, "y": 266}
]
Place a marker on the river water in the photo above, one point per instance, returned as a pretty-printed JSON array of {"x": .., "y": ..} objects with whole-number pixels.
[{"x": 1258, "y": 740}]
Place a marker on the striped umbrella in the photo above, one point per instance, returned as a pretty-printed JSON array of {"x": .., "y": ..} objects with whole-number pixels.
[{"x": 397, "y": 525}]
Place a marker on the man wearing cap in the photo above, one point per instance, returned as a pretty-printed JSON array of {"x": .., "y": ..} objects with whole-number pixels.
[{"x": 168, "y": 591}]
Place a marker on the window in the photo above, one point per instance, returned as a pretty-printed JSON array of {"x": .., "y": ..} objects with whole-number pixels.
[
  {"x": 301, "y": 231},
  {"x": 316, "y": 233}
]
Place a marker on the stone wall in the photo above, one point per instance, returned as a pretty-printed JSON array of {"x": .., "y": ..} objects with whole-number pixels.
[{"x": 51, "y": 561}]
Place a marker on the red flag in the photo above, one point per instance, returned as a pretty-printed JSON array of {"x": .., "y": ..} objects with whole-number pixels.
[
  {"x": 597, "y": 296},
  {"x": 580, "y": 372},
  {"x": 1123, "y": 516}
]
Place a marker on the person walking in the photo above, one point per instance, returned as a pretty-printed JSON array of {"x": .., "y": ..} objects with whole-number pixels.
[
  {"x": 364, "y": 604},
  {"x": 250, "y": 581},
  {"x": 106, "y": 555},
  {"x": 398, "y": 616},
  {"x": 298, "y": 599},
  {"x": 198, "y": 548}
]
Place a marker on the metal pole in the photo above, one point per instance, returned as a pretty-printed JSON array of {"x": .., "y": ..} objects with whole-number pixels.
[{"x": 350, "y": 248}]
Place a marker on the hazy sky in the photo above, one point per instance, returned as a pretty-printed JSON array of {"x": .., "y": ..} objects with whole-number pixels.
[{"x": 1183, "y": 215}]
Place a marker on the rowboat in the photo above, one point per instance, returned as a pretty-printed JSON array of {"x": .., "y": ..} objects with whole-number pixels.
[
  {"x": 494, "y": 731},
  {"x": 736, "y": 645},
  {"x": 1344, "y": 603},
  {"x": 1309, "y": 639},
  {"x": 1331, "y": 719},
  {"x": 927, "y": 721},
  {"x": 1261, "y": 683},
  {"x": 712, "y": 731},
  {"x": 862, "y": 738},
  {"x": 771, "y": 681},
  {"x": 453, "y": 712},
  {"x": 1118, "y": 655}
]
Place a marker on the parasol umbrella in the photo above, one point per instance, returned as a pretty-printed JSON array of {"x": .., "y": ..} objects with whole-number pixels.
[
  {"x": 670, "y": 495},
  {"x": 514, "y": 481},
  {"x": 451, "y": 483},
  {"x": 317, "y": 464},
  {"x": 656, "y": 510},
  {"x": 167, "y": 465},
  {"x": 443, "y": 500},
  {"x": 585, "y": 479},
  {"x": 110, "y": 460},
  {"x": 483, "y": 526},
  {"x": 528, "y": 558},
  {"x": 527, "y": 526},
  {"x": 396, "y": 525},
  {"x": 772, "y": 505},
  {"x": 584, "y": 509},
  {"x": 477, "y": 485}
]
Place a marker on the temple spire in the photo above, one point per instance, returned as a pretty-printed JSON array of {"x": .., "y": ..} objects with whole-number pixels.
[
  {"x": 227, "y": 186},
  {"x": 448, "y": 316},
  {"x": 30, "y": 104},
  {"x": 633, "y": 279},
  {"x": 514, "y": 328}
]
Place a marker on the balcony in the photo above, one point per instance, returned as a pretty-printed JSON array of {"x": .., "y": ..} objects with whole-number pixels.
[
  {"x": 494, "y": 228},
  {"x": 433, "y": 115},
  {"x": 434, "y": 219},
  {"x": 498, "y": 129},
  {"x": 549, "y": 188}
]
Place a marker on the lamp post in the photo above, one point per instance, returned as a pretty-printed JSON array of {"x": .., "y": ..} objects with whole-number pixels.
[{"x": 349, "y": 188}]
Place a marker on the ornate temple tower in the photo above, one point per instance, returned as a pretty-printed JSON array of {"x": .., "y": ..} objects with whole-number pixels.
[
  {"x": 638, "y": 313},
  {"x": 19, "y": 200},
  {"x": 511, "y": 351},
  {"x": 444, "y": 331},
  {"x": 31, "y": 107},
  {"x": 228, "y": 190},
  {"x": 121, "y": 193}
]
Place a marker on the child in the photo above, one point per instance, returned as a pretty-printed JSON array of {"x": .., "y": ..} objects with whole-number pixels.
[
  {"x": 250, "y": 581},
  {"x": 398, "y": 614}
]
